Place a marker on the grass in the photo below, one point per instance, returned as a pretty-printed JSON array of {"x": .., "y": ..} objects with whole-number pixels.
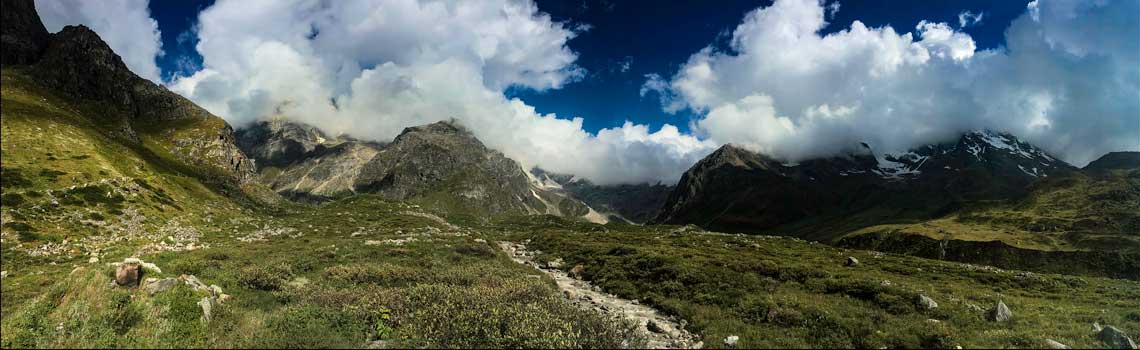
[
  {"x": 1068, "y": 212},
  {"x": 363, "y": 271},
  {"x": 783, "y": 292},
  {"x": 443, "y": 289}
]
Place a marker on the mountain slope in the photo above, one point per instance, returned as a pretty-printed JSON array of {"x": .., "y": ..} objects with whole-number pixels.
[
  {"x": 441, "y": 165},
  {"x": 75, "y": 64},
  {"x": 96, "y": 159},
  {"x": 737, "y": 190},
  {"x": 634, "y": 203}
]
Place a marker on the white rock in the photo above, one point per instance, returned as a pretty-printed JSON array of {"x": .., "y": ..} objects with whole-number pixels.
[
  {"x": 731, "y": 340},
  {"x": 925, "y": 303}
]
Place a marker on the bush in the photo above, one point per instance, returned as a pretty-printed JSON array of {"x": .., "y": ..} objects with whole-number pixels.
[
  {"x": 516, "y": 314},
  {"x": 308, "y": 327},
  {"x": 267, "y": 277}
]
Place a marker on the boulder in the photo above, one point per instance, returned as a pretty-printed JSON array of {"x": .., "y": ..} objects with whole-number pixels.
[
  {"x": 1000, "y": 313},
  {"x": 577, "y": 270},
  {"x": 1115, "y": 338},
  {"x": 851, "y": 261},
  {"x": 554, "y": 264},
  {"x": 925, "y": 303},
  {"x": 1053, "y": 344},
  {"x": 160, "y": 285},
  {"x": 127, "y": 275},
  {"x": 731, "y": 340},
  {"x": 193, "y": 282},
  {"x": 207, "y": 304}
]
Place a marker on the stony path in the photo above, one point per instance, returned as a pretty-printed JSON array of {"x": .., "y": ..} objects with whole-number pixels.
[{"x": 661, "y": 332}]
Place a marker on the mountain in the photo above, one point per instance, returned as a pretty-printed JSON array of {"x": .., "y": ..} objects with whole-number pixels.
[
  {"x": 76, "y": 64},
  {"x": 440, "y": 165},
  {"x": 1114, "y": 161},
  {"x": 734, "y": 189},
  {"x": 93, "y": 154},
  {"x": 303, "y": 163},
  {"x": 632, "y": 203}
]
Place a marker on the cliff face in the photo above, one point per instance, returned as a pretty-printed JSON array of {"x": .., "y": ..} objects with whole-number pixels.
[
  {"x": 22, "y": 34},
  {"x": 76, "y": 63}
]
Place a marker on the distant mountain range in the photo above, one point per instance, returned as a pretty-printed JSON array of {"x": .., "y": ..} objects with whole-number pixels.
[
  {"x": 985, "y": 185},
  {"x": 737, "y": 190}
]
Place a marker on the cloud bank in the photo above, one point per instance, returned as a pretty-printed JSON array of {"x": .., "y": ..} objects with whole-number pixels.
[
  {"x": 370, "y": 69},
  {"x": 125, "y": 25},
  {"x": 1068, "y": 80}
]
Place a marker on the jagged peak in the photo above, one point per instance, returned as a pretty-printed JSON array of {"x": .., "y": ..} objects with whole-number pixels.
[
  {"x": 450, "y": 126},
  {"x": 739, "y": 156}
]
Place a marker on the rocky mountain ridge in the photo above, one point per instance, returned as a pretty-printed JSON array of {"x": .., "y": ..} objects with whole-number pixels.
[
  {"x": 76, "y": 63},
  {"x": 739, "y": 190},
  {"x": 441, "y": 164},
  {"x": 630, "y": 203}
]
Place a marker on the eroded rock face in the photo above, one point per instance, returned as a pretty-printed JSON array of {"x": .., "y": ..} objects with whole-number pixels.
[
  {"x": 444, "y": 156},
  {"x": 22, "y": 34}
]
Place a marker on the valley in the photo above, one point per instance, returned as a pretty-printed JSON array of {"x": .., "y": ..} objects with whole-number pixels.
[{"x": 134, "y": 218}]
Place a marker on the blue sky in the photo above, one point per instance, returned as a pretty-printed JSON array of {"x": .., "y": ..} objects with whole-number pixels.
[
  {"x": 637, "y": 91},
  {"x": 629, "y": 39},
  {"x": 658, "y": 36}
]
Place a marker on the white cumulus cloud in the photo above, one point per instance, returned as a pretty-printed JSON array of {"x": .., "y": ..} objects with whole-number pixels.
[
  {"x": 1068, "y": 80},
  {"x": 125, "y": 25},
  {"x": 370, "y": 69},
  {"x": 967, "y": 18}
]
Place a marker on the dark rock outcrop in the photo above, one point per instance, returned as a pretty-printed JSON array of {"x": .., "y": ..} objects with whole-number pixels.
[{"x": 22, "y": 34}]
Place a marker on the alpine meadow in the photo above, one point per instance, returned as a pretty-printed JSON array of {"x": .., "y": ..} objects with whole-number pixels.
[{"x": 570, "y": 174}]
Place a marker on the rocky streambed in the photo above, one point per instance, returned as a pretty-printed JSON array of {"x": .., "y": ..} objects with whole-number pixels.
[{"x": 662, "y": 332}]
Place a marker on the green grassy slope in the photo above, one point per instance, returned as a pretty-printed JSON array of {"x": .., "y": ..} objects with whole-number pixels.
[
  {"x": 75, "y": 199},
  {"x": 363, "y": 271},
  {"x": 1072, "y": 212},
  {"x": 70, "y": 191},
  {"x": 341, "y": 275},
  {"x": 783, "y": 292}
]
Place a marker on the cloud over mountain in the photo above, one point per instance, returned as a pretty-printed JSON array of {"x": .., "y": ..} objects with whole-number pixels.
[
  {"x": 1068, "y": 79},
  {"x": 370, "y": 69}
]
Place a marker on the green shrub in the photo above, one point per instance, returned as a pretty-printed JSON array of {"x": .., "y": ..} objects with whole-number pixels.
[
  {"x": 308, "y": 327},
  {"x": 11, "y": 199},
  {"x": 268, "y": 277}
]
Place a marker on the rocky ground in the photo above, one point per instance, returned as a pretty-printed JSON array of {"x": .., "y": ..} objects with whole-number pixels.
[{"x": 662, "y": 332}]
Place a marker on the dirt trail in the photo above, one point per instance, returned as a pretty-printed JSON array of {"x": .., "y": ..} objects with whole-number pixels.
[{"x": 661, "y": 331}]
